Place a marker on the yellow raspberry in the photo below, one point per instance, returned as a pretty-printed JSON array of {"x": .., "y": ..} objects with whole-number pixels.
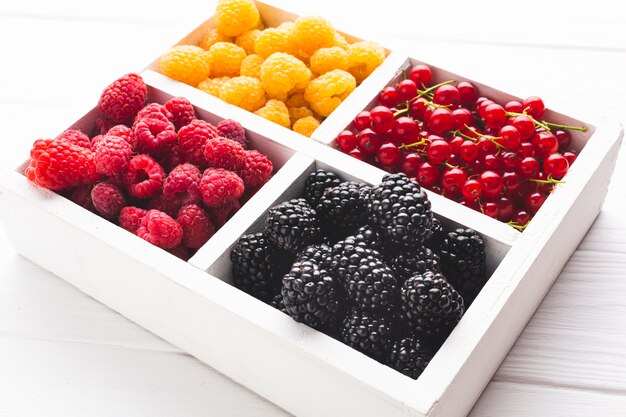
[
  {"x": 296, "y": 100},
  {"x": 306, "y": 126},
  {"x": 340, "y": 41},
  {"x": 283, "y": 73},
  {"x": 312, "y": 33},
  {"x": 273, "y": 40},
  {"x": 328, "y": 59},
  {"x": 275, "y": 111},
  {"x": 212, "y": 85},
  {"x": 225, "y": 59},
  {"x": 186, "y": 63},
  {"x": 245, "y": 92},
  {"x": 251, "y": 66},
  {"x": 247, "y": 40},
  {"x": 212, "y": 36},
  {"x": 296, "y": 113},
  {"x": 327, "y": 91},
  {"x": 364, "y": 58},
  {"x": 234, "y": 17}
]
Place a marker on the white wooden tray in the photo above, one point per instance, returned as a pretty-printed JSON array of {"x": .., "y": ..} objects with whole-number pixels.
[{"x": 192, "y": 304}]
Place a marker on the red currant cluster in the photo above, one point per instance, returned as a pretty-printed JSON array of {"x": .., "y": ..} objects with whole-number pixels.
[{"x": 501, "y": 160}]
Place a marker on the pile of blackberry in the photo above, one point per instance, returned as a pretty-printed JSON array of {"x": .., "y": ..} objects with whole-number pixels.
[{"x": 368, "y": 265}]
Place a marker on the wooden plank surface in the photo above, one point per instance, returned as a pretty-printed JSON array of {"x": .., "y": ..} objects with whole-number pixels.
[{"x": 62, "y": 353}]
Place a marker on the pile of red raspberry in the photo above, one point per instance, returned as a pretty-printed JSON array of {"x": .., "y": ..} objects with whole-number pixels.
[
  {"x": 501, "y": 160},
  {"x": 155, "y": 170}
]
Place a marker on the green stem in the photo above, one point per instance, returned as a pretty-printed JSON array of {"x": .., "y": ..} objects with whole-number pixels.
[
  {"x": 580, "y": 129},
  {"x": 429, "y": 89},
  {"x": 517, "y": 227},
  {"x": 412, "y": 145},
  {"x": 548, "y": 181},
  {"x": 547, "y": 125},
  {"x": 401, "y": 111}
]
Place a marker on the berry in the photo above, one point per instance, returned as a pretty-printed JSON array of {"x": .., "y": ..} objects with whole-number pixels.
[
  {"x": 232, "y": 130},
  {"x": 463, "y": 260},
  {"x": 121, "y": 131},
  {"x": 447, "y": 95},
  {"x": 224, "y": 153},
  {"x": 318, "y": 253},
  {"x": 247, "y": 40},
  {"x": 342, "y": 209},
  {"x": 58, "y": 165},
  {"x": 524, "y": 126},
  {"x": 491, "y": 184},
  {"x": 130, "y": 218},
  {"x": 410, "y": 163},
  {"x": 275, "y": 111},
  {"x": 192, "y": 140},
  {"x": 213, "y": 85},
  {"x": 545, "y": 144},
  {"x": 123, "y": 98},
  {"x": 258, "y": 266},
  {"x": 407, "y": 89},
  {"x": 327, "y": 91},
  {"x": 420, "y": 75},
  {"x": 306, "y": 126},
  {"x": 528, "y": 168},
  {"x": 257, "y": 169},
  {"x": 186, "y": 63},
  {"x": 279, "y": 39},
  {"x": 75, "y": 137},
  {"x": 212, "y": 36},
  {"x": 494, "y": 115},
  {"x": 431, "y": 303},
  {"x": 182, "y": 111},
  {"x": 310, "y": 294},
  {"x": 363, "y": 58},
  {"x": 112, "y": 155},
  {"x": 462, "y": 118},
  {"x": 404, "y": 130},
  {"x": 471, "y": 189},
  {"x": 160, "y": 229},
  {"x": 225, "y": 59},
  {"x": 427, "y": 174},
  {"x": 438, "y": 151},
  {"x": 251, "y": 66},
  {"x": 153, "y": 111},
  {"x": 108, "y": 200},
  {"x": 143, "y": 177},
  {"x": 570, "y": 156},
  {"x": 168, "y": 205},
  {"x": 311, "y": 33},
  {"x": 363, "y": 120},
  {"x": 368, "y": 333},
  {"x": 514, "y": 106},
  {"x": 382, "y": 119},
  {"x": 510, "y": 137},
  {"x": 292, "y": 225},
  {"x": 282, "y": 73},
  {"x": 221, "y": 214},
  {"x": 388, "y": 97},
  {"x": 277, "y": 303},
  {"x": 453, "y": 180},
  {"x": 196, "y": 224},
  {"x": 82, "y": 196},
  {"x": 534, "y": 201},
  {"x": 534, "y": 106},
  {"x": 183, "y": 182},
  {"x": 564, "y": 139},
  {"x": 369, "y": 141},
  {"x": 410, "y": 356},
  {"x": 328, "y": 59},
  {"x": 467, "y": 92},
  {"x": 153, "y": 136},
  {"x": 440, "y": 120},
  {"x": 346, "y": 141},
  {"x": 316, "y": 183},
  {"x": 219, "y": 186},
  {"x": 556, "y": 166},
  {"x": 234, "y": 17},
  {"x": 468, "y": 151},
  {"x": 389, "y": 154},
  {"x": 405, "y": 264}
]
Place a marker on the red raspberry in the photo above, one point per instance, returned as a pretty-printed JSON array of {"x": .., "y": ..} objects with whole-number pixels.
[
  {"x": 108, "y": 199},
  {"x": 183, "y": 182},
  {"x": 220, "y": 215},
  {"x": 121, "y": 131},
  {"x": 181, "y": 252},
  {"x": 172, "y": 159},
  {"x": 192, "y": 140},
  {"x": 75, "y": 137},
  {"x": 160, "y": 229},
  {"x": 121, "y": 100},
  {"x": 130, "y": 218},
  {"x": 169, "y": 206},
  {"x": 196, "y": 224},
  {"x": 182, "y": 111},
  {"x": 231, "y": 129},
  {"x": 58, "y": 165},
  {"x": 96, "y": 140},
  {"x": 143, "y": 177},
  {"x": 82, "y": 197},
  {"x": 224, "y": 153},
  {"x": 112, "y": 155},
  {"x": 153, "y": 111},
  {"x": 154, "y": 136},
  {"x": 219, "y": 186},
  {"x": 102, "y": 126},
  {"x": 257, "y": 169}
]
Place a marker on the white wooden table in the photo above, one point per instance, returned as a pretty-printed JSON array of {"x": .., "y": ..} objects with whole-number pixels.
[{"x": 64, "y": 354}]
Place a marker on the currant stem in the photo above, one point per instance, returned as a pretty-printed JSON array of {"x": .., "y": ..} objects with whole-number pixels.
[
  {"x": 401, "y": 111},
  {"x": 580, "y": 129},
  {"x": 517, "y": 227},
  {"x": 411, "y": 145},
  {"x": 547, "y": 125},
  {"x": 429, "y": 89},
  {"x": 548, "y": 181}
]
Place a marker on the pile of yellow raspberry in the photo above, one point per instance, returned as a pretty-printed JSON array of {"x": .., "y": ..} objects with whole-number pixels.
[{"x": 295, "y": 74}]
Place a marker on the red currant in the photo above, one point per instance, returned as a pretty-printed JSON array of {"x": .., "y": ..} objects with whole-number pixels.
[
  {"x": 545, "y": 144},
  {"x": 420, "y": 75},
  {"x": 358, "y": 154},
  {"x": 455, "y": 144},
  {"x": 369, "y": 141},
  {"x": 462, "y": 118},
  {"x": 388, "y": 154},
  {"x": 492, "y": 163},
  {"x": 491, "y": 183},
  {"x": 490, "y": 209},
  {"x": 535, "y": 107},
  {"x": 407, "y": 89},
  {"x": 505, "y": 209},
  {"x": 389, "y": 97},
  {"x": 438, "y": 151},
  {"x": 480, "y": 108},
  {"x": 526, "y": 149},
  {"x": 440, "y": 120},
  {"x": 447, "y": 95},
  {"x": 524, "y": 126},
  {"x": 511, "y": 161},
  {"x": 521, "y": 217},
  {"x": 487, "y": 147},
  {"x": 564, "y": 138},
  {"x": 362, "y": 120},
  {"x": 418, "y": 107},
  {"x": 514, "y": 106},
  {"x": 467, "y": 92},
  {"x": 528, "y": 168},
  {"x": 468, "y": 150},
  {"x": 471, "y": 190},
  {"x": 494, "y": 116},
  {"x": 556, "y": 166},
  {"x": 346, "y": 141},
  {"x": 404, "y": 130},
  {"x": 410, "y": 163},
  {"x": 510, "y": 137},
  {"x": 427, "y": 174},
  {"x": 534, "y": 201},
  {"x": 453, "y": 179},
  {"x": 511, "y": 181},
  {"x": 570, "y": 156},
  {"x": 382, "y": 119}
]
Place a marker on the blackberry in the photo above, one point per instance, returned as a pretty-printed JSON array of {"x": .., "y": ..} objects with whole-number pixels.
[
  {"x": 463, "y": 262},
  {"x": 368, "y": 237},
  {"x": 405, "y": 264},
  {"x": 257, "y": 265},
  {"x": 318, "y": 253},
  {"x": 430, "y": 303},
  {"x": 410, "y": 356},
  {"x": 292, "y": 225},
  {"x": 277, "y": 302},
  {"x": 310, "y": 294},
  {"x": 437, "y": 235},
  {"x": 368, "y": 333},
  {"x": 342, "y": 208},
  {"x": 316, "y": 183},
  {"x": 400, "y": 210}
]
